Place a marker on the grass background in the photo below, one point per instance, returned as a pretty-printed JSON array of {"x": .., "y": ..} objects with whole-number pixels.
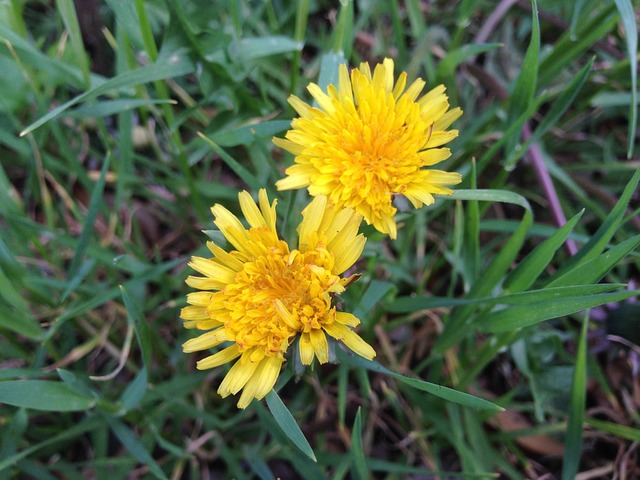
[{"x": 122, "y": 122}]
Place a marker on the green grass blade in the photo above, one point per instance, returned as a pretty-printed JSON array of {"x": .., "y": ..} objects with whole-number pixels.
[
  {"x": 621, "y": 431},
  {"x": 87, "y": 229},
  {"x": 573, "y": 439},
  {"x": 44, "y": 395},
  {"x": 454, "y": 58},
  {"x": 599, "y": 240},
  {"x": 532, "y": 313},
  {"x": 358, "y": 463},
  {"x": 328, "y": 75},
  {"x": 593, "y": 270},
  {"x": 250, "y": 133},
  {"x": 176, "y": 66},
  {"x": 139, "y": 323},
  {"x": 523, "y": 276},
  {"x": 628, "y": 16},
  {"x": 287, "y": 423},
  {"x": 525, "y": 85},
  {"x": 440, "y": 391},
  {"x": 135, "y": 447},
  {"x": 558, "y": 108},
  {"x": 68, "y": 13}
]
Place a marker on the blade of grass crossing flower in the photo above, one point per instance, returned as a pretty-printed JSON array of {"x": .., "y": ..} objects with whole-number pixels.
[
  {"x": 527, "y": 271},
  {"x": 129, "y": 440},
  {"x": 573, "y": 439},
  {"x": 628, "y": 16},
  {"x": 558, "y": 107},
  {"x": 287, "y": 423},
  {"x": 44, "y": 395},
  {"x": 525, "y": 85},
  {"x": 67, "y": 11},
  {"x": 358, "y": 462},
  {"x": 593, "y": 270},
  {"x": 533, "y": 313},
  {"x": 599, "y": 240},
  {"x": 446, "y": 393},
  {"x": 87, "y": 229},
  {"x": 329, "y": 70}
]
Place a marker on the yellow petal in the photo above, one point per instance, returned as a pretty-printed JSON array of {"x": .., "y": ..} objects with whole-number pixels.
[
  {"x": 311, "y": 219},
  {"x": 212, "y": 269},
  {"x": 348, "y": 255},
  {"x": 268, "y": 210},
  {"x": 261, "y": 382},
  {"x": 302, "y": 108},
  {"x": 320, "y": 345},
  {"x": 223, "y": 356},
  {"x": 434, "y": 155},
  {"x": 224, "y": 257},
  {"x": 447, "y": 119},
  {"x": 306, "y": 349},
  {"x": 322, "y": 98},
  {"x": 288, "y": 145},
  {"x": 347, "y": 319},
  {"x": 344, "y": 83},
  {"x": 236, "y": 378},
  {"x": 350, "y": 339},
  {"x": 206, "y": 340},
  {"x": 204, "y": 283},
  {"x": 194, "y": 313},
  {"x": 440, "y": 138},
  {"x": 201, "y": 299}
]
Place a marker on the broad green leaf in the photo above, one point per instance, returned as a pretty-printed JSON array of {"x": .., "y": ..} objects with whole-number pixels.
[
  {"x": 593, "y": 270},
  {"x": 532, "y": 313},
  {"x": 358, "y": 462},
  {"x": 257, "y": 464},
  {"x": 525, "y": 86},
  {"x": 628, "y": 16},
  {"x": 558, "y": 107},
  {"x": 43, "y": 395},
  {"x": 374, "y": 294},
  {"x": 573, "y": 439},
  {"x": 523, "y": 276},
  {"x": 176, "y": 66},
  {"x": 12, "y": 434},
  {"x": 135, "y": 447},
  {"x": 287, "y": 423},
  {"x": 329, "y": 70},
  {"x": 599, "y": 240},
  {"x": 250, "y": 133},
  {"x": 446, "y": 393}
]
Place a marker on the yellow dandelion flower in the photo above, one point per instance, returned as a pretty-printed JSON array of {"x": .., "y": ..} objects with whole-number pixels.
[
  {"x": 262, "y": 295},
  {"x": 369, "y": 140}
]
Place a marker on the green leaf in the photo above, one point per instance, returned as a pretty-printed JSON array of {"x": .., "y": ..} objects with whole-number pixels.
[
  {"x": 446, "y": 393},
  {"x": 376, "y": 291},
  {"x": 250, "y": 133},
  {"x": 454, "y": 58},
  {"x": 141, "y": 328},
  {"x": 532, "y": 313},
  {"x": 68, "y": 13},
  {"x": 44, "y": 395},
  {"x": 329, "y": 70},
  {"x": 628, "y": 16},
  {"x": 134, "y": 446},
  {"x": 622, "y": 431},
  {"x": 558, "y": 107},
  {"x": 525, "y": 85},
  {"x": 135, "y": 391},
  {"x": 248, "y": 178},
  {"x": 176, "y": 66},
  {"x": 593, "y": 270},
  {"x": 87, "y": 230},
  {"x": 287, "y": 423},
  {"x": 523, "y": 276},
  {"x": 358, "y": 462},
  {"x": 599, "y": 240},
  {"x": 573, "y": 438},
  {"x": 111, "y": 107}
]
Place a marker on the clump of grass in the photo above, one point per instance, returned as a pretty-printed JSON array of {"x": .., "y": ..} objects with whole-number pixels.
[{"x": 122, "y": 124}]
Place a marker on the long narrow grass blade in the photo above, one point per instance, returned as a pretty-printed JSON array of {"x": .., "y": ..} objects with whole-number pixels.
[
  {"x": 287, "y": 423},
  {"x": 358, "y": 463},
  {"x": 573, "y": 439}
]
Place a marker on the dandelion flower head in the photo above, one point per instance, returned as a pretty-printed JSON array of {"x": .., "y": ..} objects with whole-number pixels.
[
  {"x": 261, "y": 295},
  {"x": 371, "y": 139}
]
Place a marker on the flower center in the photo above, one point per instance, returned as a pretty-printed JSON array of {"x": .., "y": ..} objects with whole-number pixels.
[{"x": 299, "y": 281}]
